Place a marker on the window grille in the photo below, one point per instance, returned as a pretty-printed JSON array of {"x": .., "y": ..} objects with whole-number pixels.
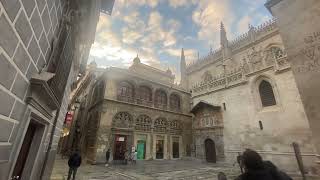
[
  {"x": 143, "y": 123},
  {"x": 161, "y": 99},
  {"x": 122, "y": 120},
  {"x": 266, "y": 94},
  {"x": 175, "y": 102},
  {"x": 160, "y": 125}
]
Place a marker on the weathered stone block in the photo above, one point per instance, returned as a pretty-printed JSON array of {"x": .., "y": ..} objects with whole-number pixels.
[
  {"x": 20, "y": 87},
  {"x": 6, "y": 128},
  {"x": 50, "y": 34},
  {"x": 50, "y": 3},
  {"x": 36, "y": 24},
  {"x": 53, "y": 16},
  {"x": 23, "y": 28},
  {"x": 5, "y": 152},
  {"x": 41, "y": 62},
  {"x": 41, "y": 4},
  {"x": 18, "y": 111},
  {"x": 43, "y": 43},
  {"x": 6, "y": 103},
  {"x": 7, "y": 72},
  {"x": 28, "y": 6},
  {"x": 12, "y": 7},
  {"x": 8, "y": 40},
  {"x": 46, "y": 20},
  {"x": 31, "y": 71},
  {"x": 21, "y": 59},
  {"x": 14, "y": 133},
  {"x": 34, "y": 50}
]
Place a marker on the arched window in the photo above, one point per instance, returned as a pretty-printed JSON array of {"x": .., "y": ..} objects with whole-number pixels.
[
  {"x": 143, "y": 123},
  {"x": 125, "y": 92},
  {"x": 266, "y": 94},
  {"x": 144, "y": 95},
  {"x": 175, "y": 127},
  {"x": 160, "y": 99},
  {"x": 122, "y": 120},
  {"x": 160, "y": 125},
  {"x": 175, "y": 102}
]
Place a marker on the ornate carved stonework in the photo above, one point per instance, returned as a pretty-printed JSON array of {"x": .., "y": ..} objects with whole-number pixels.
[
  {"x": 122, "y": 120},
  {"x": 311, "y": 54}
]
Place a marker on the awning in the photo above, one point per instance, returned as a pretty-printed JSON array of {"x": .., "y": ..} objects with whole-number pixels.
[{"x": 202, "y": 104}]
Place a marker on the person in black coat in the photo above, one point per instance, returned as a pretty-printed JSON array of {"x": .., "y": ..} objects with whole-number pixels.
[
  {"x": 107, "y": 156},
  {"x": 257, "y": 169},
  {"x": 74, "y": 162}
]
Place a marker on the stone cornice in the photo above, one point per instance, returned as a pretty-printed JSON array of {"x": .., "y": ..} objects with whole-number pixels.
[
  {"x": 148, "y": 107},
  {"x": 270, "y": 3},
  {"x": 172, "y": 86}
]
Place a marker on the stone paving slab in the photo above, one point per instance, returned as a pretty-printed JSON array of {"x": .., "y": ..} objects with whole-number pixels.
[{"x": 146, "y": 170}]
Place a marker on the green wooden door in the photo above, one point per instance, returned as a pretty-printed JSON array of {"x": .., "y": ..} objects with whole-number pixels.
[{"x": 141, "y": 149}]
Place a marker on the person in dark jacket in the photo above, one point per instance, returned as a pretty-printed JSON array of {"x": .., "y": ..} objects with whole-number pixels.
[
  {"x": 74, "y": 162},
  {"x": 107, "y": 157},
  {"x": 256, "y": 169},
  {"x": 272, "y": 167}
]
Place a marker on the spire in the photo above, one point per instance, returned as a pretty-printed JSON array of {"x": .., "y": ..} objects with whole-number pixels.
[
  {"x": 183, "y": 81},
  {"x": 223, "y": 36},
  {"x": 136, "y": 60},
  {"x": 182, "y": 52}
]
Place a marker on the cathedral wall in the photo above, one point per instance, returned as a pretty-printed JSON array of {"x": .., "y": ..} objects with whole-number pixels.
[{"x": 283, "y": 124}]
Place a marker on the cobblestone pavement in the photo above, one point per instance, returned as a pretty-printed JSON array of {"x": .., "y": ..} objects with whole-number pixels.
[{"x": 146, "y": 170}]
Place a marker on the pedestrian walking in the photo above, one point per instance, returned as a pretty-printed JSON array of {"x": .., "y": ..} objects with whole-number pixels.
[
  {"x": 74, "y": 163},
  {"x": 107, "y": 157},
  {"x": 126, "y": 157},
  {"x": 135, "y": 154}
]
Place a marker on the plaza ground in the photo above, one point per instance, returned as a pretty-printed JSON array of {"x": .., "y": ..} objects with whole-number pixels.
[
  {"x": 146, "y": 170},
  {"x": 149, "y": 170}
]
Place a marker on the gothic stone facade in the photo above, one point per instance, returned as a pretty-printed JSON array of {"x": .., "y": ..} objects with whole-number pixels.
[
  {"x": 132, "y": 110},
  {"x": 251, "y": 81}
]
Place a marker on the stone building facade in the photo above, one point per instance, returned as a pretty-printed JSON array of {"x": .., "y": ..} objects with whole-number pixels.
[
  {"x": 297, "y": 21},
  {"x": 44, "y": 45},
  {"x": 130, "y": 111},
  {"x": 248, "y": 87}
]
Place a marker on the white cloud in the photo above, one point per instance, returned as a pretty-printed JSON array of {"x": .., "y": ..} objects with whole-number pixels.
[
  {"x": 155, "y": 32},
  {"x": 189, "y": 53},
  {"x": 129, "y": 36},
  {"x": 181, "y": 3},
  {"x": 243, "y": 24},
  {"x": 208, "y": 16}
]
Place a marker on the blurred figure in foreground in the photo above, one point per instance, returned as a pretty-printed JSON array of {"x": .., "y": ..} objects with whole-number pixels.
[
  {"x": 257, "y": 169},
  {"x": 74, "y": 163}
]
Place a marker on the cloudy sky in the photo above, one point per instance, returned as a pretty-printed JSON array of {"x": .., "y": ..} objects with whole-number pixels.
[{"x": 158, "y": 29}]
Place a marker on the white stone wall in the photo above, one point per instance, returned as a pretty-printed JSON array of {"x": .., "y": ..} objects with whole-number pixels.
[
  {"x": 27, "y": 29},
  {"x": 283, "y": 124}
]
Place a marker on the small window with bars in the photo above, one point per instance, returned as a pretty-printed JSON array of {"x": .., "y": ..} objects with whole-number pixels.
[{"x": 266, "y": 94}]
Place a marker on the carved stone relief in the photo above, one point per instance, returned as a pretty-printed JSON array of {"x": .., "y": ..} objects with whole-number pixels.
[{"x": 310, "y": 54}]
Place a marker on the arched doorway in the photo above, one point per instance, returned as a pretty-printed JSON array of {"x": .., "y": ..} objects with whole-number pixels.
[{"x": 210, "y": 151}]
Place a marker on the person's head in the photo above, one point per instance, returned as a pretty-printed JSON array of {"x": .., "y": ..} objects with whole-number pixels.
[
  {"x": 252, "y": 160},
  {"x": 222, "y": 176}
]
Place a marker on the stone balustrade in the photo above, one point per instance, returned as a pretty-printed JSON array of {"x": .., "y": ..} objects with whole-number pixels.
[{"x": 238, "y": 75}]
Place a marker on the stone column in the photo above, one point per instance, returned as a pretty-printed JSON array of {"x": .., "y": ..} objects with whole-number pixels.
[{"x": 298, "y": 22}]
